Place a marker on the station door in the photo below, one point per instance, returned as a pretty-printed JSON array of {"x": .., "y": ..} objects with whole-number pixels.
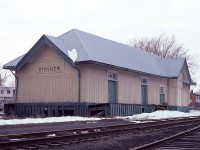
[{"x": 112, "y": 91}]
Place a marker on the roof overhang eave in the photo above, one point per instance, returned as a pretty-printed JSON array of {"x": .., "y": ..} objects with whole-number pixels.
[
  {"x": 9, "y": 67},
  {"x": 126, "y": 69},
  {"x": 193, "y": 83}
]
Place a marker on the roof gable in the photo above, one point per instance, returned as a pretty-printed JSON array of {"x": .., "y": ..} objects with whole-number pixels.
[
  {"x": 52, "y": 42},
  {"x": 186, "y": 74}
]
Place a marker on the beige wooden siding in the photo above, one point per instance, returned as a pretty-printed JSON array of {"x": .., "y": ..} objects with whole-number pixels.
[
  {"x": 154, "y": 89},
  {"x": 128, "y": 89},
  {"x": 57, "y": 86},
  {"x": 94, "y": 89},
  {"x": 172, "y": 92},
  {"x": 61, "y": 85},
  {"x": 94, "y": 86},
  {"x": 172, "y": 96},
  {"x": 127, "y": 93},
  {"x": 186, "y": 94},
  {"x": 184, "y": 90},
  {"x": 153, "y": 94},
  {"x": 179, "y": 92},
  {"x": 47, "y": 90}
]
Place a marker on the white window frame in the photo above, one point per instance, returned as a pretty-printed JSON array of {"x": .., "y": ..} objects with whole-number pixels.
[
  {"x": 8, "y": 91},
  {"x": 112, "y": 75},
  {"x": 163, "y": 92},
  {"x": 164, "y": 88},
  {"x": 142, "y": 78}
]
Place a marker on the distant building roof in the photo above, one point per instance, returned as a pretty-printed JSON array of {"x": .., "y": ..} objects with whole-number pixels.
[{"x": 93, "y": 48}]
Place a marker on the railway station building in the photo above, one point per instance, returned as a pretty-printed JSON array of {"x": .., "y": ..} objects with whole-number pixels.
[{"x": 78, "y": 73}]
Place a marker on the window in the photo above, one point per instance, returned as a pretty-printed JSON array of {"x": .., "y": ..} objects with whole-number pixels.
[
  {"x": 197, "y": 98},
  {"x": 2, "y": 91},
  {"x": 162, "y": 95},
  {"x": 112, "y": 75},
  {"x": 8, "y": 91},
  {"x": 144, "y": 80},
  {"x": 162, "y": 90},
  {"x": 13, "y": 92}
]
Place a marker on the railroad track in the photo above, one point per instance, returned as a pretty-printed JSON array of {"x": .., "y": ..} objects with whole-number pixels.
[
  {"x": 62, "y": 137},
  {"x": 187, "y": 140}
]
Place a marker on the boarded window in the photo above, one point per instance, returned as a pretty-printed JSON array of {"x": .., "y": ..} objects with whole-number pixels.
[
  {"x": 144, "y": 90},
  {"x": 162, "y": 95}
]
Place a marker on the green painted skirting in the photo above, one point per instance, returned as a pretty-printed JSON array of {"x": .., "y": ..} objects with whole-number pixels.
[
  {"x": 129, "y": 109},
  {"x": 82, "y": 109},
  {"x": 179, "y": 108}
]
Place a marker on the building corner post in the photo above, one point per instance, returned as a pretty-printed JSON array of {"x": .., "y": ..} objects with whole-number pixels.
[{"x": 79, "y": 84}]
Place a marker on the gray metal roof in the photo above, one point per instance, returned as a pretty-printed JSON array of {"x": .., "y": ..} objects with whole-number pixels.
[
  {"x": 97, "y": 49},
  {"x": 13, "y": 63}
]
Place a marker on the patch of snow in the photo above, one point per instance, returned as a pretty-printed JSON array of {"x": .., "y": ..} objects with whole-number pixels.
[
  {"x": 84, "y": 132},
  {"x": 161, "y": 114},
  {"x": 15, "y": 139},
  {"x": 97, "y": 130},
  {"x": 136, "y": 121},
  {"x": 45, "y": 120},
  {"x": 91, "y": 122},
  {"x": 72, "y": 54},
  {"x": 51, "y": 135}
]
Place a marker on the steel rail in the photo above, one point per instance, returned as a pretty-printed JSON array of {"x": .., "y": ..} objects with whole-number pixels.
[
  {"x": 166, "y": 140},
  {"x": 130, "y": 125},
  {"x": 91, "y": 132}
]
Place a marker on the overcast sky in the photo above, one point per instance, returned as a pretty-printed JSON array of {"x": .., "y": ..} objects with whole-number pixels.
[{"x": 23, "y": 22}]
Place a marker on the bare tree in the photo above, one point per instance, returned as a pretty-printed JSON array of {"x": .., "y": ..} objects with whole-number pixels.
[
  {"x": 3, "y": 76},
  {"x": 166, "y": 47}
]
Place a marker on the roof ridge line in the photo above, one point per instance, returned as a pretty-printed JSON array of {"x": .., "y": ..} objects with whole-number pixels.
[
  {"x": 58, "y": 38},
  {"x": 75, "y": 31}
]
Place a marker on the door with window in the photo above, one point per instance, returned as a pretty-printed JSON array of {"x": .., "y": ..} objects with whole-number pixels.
[
  {"x": 112, "y": 91},
  {"x": 144, "y": 94},
  {"x": 112, "y": 77}
]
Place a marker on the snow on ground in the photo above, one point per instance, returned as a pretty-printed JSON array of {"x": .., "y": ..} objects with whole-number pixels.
[
  {"x": 45, "y": 120},
  {"x": 162, "y": 114}
]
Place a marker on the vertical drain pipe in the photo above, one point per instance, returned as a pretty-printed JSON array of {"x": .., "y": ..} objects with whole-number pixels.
[
  {"x": 16, "y": 90},
  {"x": 16, "y": 83}
]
